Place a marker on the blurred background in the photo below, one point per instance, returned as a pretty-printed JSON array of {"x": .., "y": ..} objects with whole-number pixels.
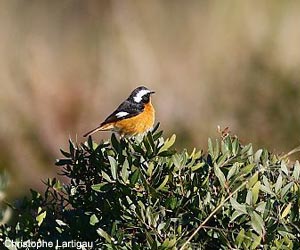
[{"x": 65, "y": 65}]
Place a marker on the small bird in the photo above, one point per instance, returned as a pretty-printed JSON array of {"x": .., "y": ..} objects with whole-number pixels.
[{"x": 134, "y": 116}]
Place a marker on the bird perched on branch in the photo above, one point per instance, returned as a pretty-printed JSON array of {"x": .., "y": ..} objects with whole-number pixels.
[{"x": 134, "y": 116}]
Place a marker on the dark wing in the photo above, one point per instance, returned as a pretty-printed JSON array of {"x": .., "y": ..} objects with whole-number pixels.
[{"x": 125, "y": 110}]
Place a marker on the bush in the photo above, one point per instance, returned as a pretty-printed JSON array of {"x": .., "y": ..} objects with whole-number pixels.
[{"x": 141, "y": 194}]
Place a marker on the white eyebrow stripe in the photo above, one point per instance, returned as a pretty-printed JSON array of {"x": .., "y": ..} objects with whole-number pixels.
[
  {"x": 138, "y": 97},
  {"x": 121, "y": 114}
]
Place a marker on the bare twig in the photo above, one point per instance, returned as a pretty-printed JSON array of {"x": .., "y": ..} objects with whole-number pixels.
[{"x": 293, "y": 151}]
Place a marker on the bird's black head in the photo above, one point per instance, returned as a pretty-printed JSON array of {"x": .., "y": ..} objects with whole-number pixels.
[{"x": 141, "y": 95}]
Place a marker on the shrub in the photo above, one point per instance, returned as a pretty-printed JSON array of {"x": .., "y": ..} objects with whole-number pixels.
[{"x": 142, "y": 194}]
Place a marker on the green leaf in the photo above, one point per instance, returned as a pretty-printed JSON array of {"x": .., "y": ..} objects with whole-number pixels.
[
  {"x": 169, "y": 243},
  {"x": 247, "y": 149},
  {"x": 40, "y": 218},
  {"x": 257, "y": 222},
  {"x": 125, "y": 171},
  {"x": 161, "y": 226},
  {"x": 278, "y": 183},
  {"x": 167, "y": 153},
  {"x": 150, "y": 168},
  {"x": 267, "y": 190},
  {"x": 98, "y": 187},
  {"x": 59, "y": 229},
  {"x": 216, "y": 150},
  {"x": 222, "y": 159},
  {"x": 134, "y": 177},
  {"x": 157, "y": 135},
  {"x": 90, "y": 143},
  {"x": 104, "y": 234},
  {"x": 197, "y": 166},
  {"x": 62, "y": 162},
  {"x": 286, "y": 211},
  {"x": 237, "y": 206},
  {"x": 114, "y": 141},
  {"x": 162, "y": 185},
  {"x": 151, "y": 241},
  {"x": 151, "y": 141},
  {"x": 71, "y": 147},
  {"x": 255, "y": 192},
  {"x": 141, "y": 211},
  {"x": 286, "y": 188},
  {"x": 249, "y": 197},
  {"x": 240, "y": 238},
  {"x": 253, "y": 180},
  {"x": 148, "y": 146},
  {"x": 257, "y": 155},
  {"x": 171, "y": 202},
  {"x": 250, "y": 155},
  {"x": 177, "y": 160},
  {"x": 168, "y": 143},
  {"x": 246, "y": 170},
  {"x": 296, "y": 171},
  {"x": 256, "y": 241},
  {"x": 93, "y": 220},
  {"x": 113, "y": 166},
  {"x": 235, "y": 146},
  {"x": 64, "y": 153},
  {"x": 106, "y": 176},
  {"x": 283, "y": 167},
  {"x": 226, "y": 145},
  {"x": 266, "y": 187},
  {"x": 220, "y": 175},
  {"x": 150, "y": 216},
  {"x": 235, "y": 214},
  {"x": 60, "y": 222},
  {"x": 155, "y": 128},
  {"x": 232, "y": 170},
  {"x": 261, "y": 207},
  {"x": 196, "y": 154},
  {"x": 57, "y": 186}
]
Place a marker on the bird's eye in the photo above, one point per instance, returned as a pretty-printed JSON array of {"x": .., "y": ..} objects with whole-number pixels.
[{"x": 146, "y": 98}]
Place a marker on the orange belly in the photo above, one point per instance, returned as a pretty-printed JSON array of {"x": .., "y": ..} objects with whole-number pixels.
[{"x": 138, "y": 124}]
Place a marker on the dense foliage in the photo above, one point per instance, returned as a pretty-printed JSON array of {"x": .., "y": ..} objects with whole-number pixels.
[{"x": 141, "y": 194}]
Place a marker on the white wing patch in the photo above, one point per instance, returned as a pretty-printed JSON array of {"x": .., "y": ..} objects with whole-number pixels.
[
  {"x": 138, "y": 97},
  {"x": 121, "y": 114}
]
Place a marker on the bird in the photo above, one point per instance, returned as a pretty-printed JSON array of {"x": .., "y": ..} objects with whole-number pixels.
[{"x": 134, "y": 116}]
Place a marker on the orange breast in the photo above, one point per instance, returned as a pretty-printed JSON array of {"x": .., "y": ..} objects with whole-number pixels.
[{"x": 137, "y": 124}]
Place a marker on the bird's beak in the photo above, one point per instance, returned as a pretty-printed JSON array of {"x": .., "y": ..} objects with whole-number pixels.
[{"x": 152, "y": 92}]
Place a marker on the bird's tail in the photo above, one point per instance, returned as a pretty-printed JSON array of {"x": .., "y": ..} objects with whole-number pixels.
[{"x": 102, "y": 127}]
